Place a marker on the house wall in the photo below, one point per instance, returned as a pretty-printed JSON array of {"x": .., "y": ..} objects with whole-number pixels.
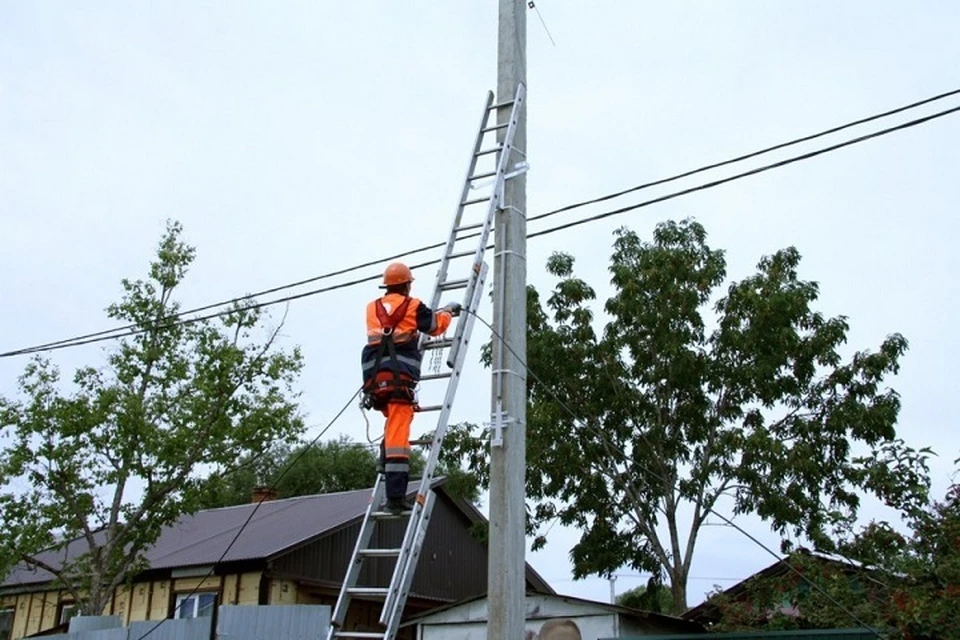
[
  {"x": 452, "y": 564},
  {"x": 468, "y": 620},
  {"x": 590, "y": 627},
  {"x": 153, "y": 600}
]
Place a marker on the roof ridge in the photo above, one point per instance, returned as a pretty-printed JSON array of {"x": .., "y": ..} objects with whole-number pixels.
[{"x": 290, "y": 499}]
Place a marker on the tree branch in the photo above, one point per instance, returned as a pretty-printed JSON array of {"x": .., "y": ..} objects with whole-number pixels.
[{"x": 61, "y": 575}]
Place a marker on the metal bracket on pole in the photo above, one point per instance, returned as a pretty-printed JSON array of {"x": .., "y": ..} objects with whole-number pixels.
[
  {"x": 519, "y": 168},
  {"x": 511, "y": 252},
  {"x": 498, "y": 421},
  {"x": 508, "y": 371}
]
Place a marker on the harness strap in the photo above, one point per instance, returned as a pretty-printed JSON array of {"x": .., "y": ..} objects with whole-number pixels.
[{"x": 389, "y": 322}]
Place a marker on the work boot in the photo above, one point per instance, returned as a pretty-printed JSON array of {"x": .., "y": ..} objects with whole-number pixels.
[{"x": 396, "y": 506}]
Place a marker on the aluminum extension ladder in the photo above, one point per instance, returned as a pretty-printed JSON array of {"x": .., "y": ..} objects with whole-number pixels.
[{"x": 488, "y": 181}]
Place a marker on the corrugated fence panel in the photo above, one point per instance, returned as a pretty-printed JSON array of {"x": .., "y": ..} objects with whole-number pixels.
[
  {"x": 101, "y": 634},
  {"x": 187, "y": 629},
  {"x": 93, "y": 623},
  {"x": 276, "y": 622}
]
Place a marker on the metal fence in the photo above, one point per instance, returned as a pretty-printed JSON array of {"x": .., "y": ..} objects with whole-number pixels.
[{"x": 263, "y": 622}]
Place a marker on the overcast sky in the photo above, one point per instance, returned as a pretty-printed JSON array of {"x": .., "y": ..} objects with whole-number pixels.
[{"x": 293, "y": 138}]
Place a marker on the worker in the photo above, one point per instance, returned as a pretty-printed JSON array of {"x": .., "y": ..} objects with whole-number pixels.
[{"x": 391, "y": 370}]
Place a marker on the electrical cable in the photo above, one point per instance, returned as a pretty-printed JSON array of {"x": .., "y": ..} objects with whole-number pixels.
[
  {"x": 747, "y": 156},
  {"x": 751, "y": 172},
  {"x": 175, "y": 319},
  {"x": 533, "y": 5},
  {"x": 324, "y": 276},
  {"x": 625, "y": 458},
  {"x": 253, "y": 511},
  {"x": 547, "y": 214}
]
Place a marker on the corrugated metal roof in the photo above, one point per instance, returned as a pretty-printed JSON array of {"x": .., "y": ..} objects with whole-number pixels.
[{"x": 201, "y": 538}]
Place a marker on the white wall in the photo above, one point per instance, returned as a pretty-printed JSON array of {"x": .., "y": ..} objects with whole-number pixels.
[{"x": 591, "y": 628}]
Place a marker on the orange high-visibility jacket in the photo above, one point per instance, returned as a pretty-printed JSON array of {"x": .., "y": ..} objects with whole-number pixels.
[{"x": 417, "y": 318}]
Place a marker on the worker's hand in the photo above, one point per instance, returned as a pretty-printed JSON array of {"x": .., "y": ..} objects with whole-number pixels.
[{"x": 453, "y": 308}]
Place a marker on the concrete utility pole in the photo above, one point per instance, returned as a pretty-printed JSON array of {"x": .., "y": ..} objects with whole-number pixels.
[{"x": 506, "y": 585}]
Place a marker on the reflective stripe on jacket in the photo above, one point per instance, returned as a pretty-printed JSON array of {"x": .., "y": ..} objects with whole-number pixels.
[{"x": 418, "y": 318}]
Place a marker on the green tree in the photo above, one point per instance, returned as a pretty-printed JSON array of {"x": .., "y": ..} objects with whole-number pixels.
[
  {"x": 120, "y": 455},
  {"x": 324, "y": 467},
  {"x": 679, "y": 402},
  {"x": 653, "y": 596}
]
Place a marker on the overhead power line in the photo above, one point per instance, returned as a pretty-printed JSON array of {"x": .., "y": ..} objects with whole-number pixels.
[
  {"x": 748, "y": 156},
  {"x": 751, "y": 172},
  {"x": 180, "y": 318},
  {"x": 83, "y": 339}
]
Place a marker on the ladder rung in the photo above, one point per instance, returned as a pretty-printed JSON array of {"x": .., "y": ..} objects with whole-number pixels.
[
  {"x": 450, "y": 285},
  {"x": 467, "y": 227},
  {"x": 389, "y": 515},
  {"x": 420, "y": 442},
  {"x": 495, "y": 127},
  {"x": 486, "y": 152},
  {"x": 358, "y": 634},
  {"x": 481, "y": 176},
  {"x": 461, "y": 254},
  {"x": 436, "y": 376},
  {"x": 508, "y": 103},
  {"x": 380, "y": 553},
  {"x": 467, "y": 203},
  {"x": 431, "y": 407},
  {"x": 442, "y": 343},
  {"x": 369, "y": 591}
]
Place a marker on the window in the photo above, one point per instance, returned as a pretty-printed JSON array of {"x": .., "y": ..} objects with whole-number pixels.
[
  {"x": 195, "y": 605},
  {"x": 6, "y": 623},
  {"x": 68, "y": 609}
]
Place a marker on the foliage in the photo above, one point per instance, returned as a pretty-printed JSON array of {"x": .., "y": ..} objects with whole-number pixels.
[
  {"x": 324, "y": 467},
  {"x": 654, "y": 597},
  {"x": 120, "y": 455},
  {"x": 905, "y": 585},
  {"x": 676, "y": 403}
]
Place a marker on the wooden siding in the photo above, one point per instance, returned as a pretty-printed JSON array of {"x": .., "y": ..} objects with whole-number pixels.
[
  {"x": 38, "y": 611},
  {"x": 159, "y": 600}
]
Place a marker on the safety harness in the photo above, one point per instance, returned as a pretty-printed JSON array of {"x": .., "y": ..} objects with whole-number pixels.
[{"x": 378, "y": 391}]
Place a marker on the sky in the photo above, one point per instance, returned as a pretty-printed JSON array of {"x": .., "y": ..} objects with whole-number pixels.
[{"x": 296, "y": 138}]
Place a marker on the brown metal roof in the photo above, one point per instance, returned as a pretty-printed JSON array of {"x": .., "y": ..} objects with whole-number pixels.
[
  {"x": 275, "y": 528},
  {"x": 202, "y": 538}
]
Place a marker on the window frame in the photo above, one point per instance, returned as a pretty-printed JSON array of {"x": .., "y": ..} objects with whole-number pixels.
[
  {"x": 65, "y": 607},
  {"x": 196, "y": 597},
  {"x": 6, "y": 634}
]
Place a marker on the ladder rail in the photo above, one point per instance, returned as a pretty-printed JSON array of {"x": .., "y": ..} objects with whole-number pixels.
[
  {"x": 458, "y": 218},
  {"x": 353, "y": 569},
  {"x": 495, "y": 197},
  {"x": 403, "y": 589}
]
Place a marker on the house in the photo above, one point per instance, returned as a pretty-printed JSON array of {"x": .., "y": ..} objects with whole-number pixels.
[
  {"x": 777, "y": 591},
  {"x": 292, "y": 551},
  {"x": 467, "y": 620}
]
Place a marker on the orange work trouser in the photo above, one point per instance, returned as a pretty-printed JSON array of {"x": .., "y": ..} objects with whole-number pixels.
[{"x": 396, "y": 448}]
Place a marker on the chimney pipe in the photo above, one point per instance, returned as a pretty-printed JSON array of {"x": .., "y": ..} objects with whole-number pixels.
[{"x": 263, "y": 494}]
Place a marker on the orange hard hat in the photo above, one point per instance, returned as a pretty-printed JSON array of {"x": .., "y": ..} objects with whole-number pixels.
[{"x": 397, "y": 273}]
